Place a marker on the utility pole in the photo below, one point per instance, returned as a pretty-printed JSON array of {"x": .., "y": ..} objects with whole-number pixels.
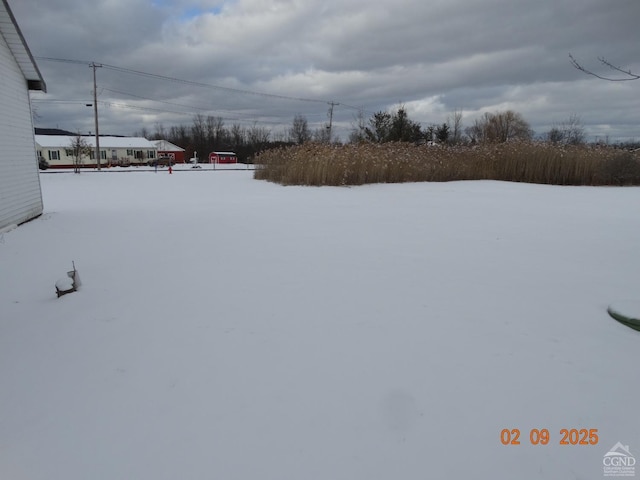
[
  {"x": 95, "y": 112},
  {"x": 331, "y": 105}
]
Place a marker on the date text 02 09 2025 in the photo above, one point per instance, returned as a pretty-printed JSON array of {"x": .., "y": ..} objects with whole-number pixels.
[{"x": 567, "y": 436}]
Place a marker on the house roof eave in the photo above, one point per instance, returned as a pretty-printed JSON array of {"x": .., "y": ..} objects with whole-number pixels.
[{"x": 18, "y": 46}]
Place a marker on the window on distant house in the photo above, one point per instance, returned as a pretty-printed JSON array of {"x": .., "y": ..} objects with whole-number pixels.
[
  {"x": 129, "y": 153},
  {"x": 103, "y": 154},
  {"x": 151, "y": 154},
  {"x": 54, "y": 155},
  {"x": 69, "y": 152}
]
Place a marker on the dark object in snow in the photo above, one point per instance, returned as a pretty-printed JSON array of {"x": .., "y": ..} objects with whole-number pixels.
[
  {"x": 626, "y": 313},
  {"x": 69, "y": 284}
]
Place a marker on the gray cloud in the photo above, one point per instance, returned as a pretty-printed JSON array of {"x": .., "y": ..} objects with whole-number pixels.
[{"x": 433, "y": 57}]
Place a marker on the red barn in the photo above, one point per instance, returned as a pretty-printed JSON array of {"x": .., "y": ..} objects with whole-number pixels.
[
  {"x": 169, "y": 150},
  {"x": 223, "y": 157}
]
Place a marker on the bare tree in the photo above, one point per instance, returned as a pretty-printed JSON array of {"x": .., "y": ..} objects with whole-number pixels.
[
  {"x": 568, "y": 132},
  {"x": 222, "y": 134},
  {"x": 455, "y": 127},
  {"x": 79, "y": 148},
  {"x": 160, "y": 133},
  {"x": 500, "y": 127},
  {"x": 358, "y": 127},
  {"x": 474, "y": 132},
  {"x": 216, "y": 131},
  {"x": 627, "y": 75},
  {"x": 238, "y": 135},
  {"x": 258, "y": 136},
  {"x": 179, "y": 135},
  {"x": 299, "y": 132},
  {"x": 281, "y": 136},
  {"x": 199, "y": 129},
  {"x": 554, "y": 135},
  {"x": 199, "y": 134},
  {"x": 322, "y": 134}
]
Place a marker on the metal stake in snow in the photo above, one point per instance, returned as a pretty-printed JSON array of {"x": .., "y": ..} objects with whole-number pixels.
[{"x": 70, "y": 283}]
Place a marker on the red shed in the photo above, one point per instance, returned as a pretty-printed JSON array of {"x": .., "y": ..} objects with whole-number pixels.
[{"x": 223, "y": 157}]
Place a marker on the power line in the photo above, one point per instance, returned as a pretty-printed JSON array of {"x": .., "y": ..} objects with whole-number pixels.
[
  {"x": 204, "y": 85},
  {"x": 110, "y": 104},
  {"x": 151, "y": 109},
  {"x": 115, "y": 68},
  {"x": 211, "y": 86},
  {"x": 183, "y": 81},
  {"x": 49, "y": 100},
  {"x": 203, "y": 109},
  {"x": 65, "y": 60}
]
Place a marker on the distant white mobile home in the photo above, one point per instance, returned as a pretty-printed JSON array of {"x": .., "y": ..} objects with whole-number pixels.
[{"x": 58, "y": 150}]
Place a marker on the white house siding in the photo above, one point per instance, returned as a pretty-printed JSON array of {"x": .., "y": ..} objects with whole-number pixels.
[{"x": 20, "y": 193}]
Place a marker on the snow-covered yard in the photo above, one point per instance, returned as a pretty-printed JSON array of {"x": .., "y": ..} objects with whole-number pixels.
[{"x": 228, "y": 328}]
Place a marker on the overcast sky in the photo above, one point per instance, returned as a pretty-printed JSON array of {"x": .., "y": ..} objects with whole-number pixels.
[{"x": 432, "y": 56}]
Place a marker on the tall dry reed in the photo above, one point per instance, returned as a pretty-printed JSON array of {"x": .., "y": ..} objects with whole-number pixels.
[{"x": 357, "y": 164}]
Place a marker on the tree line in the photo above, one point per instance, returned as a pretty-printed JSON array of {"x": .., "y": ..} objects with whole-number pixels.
[
  {"x": 492, "y": 127},
  {"x": 209, "y": 133}
]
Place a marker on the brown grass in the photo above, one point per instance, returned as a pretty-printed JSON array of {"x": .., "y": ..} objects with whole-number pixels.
[{"x": 321, "y": 164}]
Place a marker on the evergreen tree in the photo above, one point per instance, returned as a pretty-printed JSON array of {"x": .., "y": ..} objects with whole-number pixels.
[{"x": 442, "y": 133}]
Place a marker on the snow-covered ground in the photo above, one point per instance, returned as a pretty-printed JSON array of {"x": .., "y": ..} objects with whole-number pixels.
[{"x": 228, "y": 328}]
